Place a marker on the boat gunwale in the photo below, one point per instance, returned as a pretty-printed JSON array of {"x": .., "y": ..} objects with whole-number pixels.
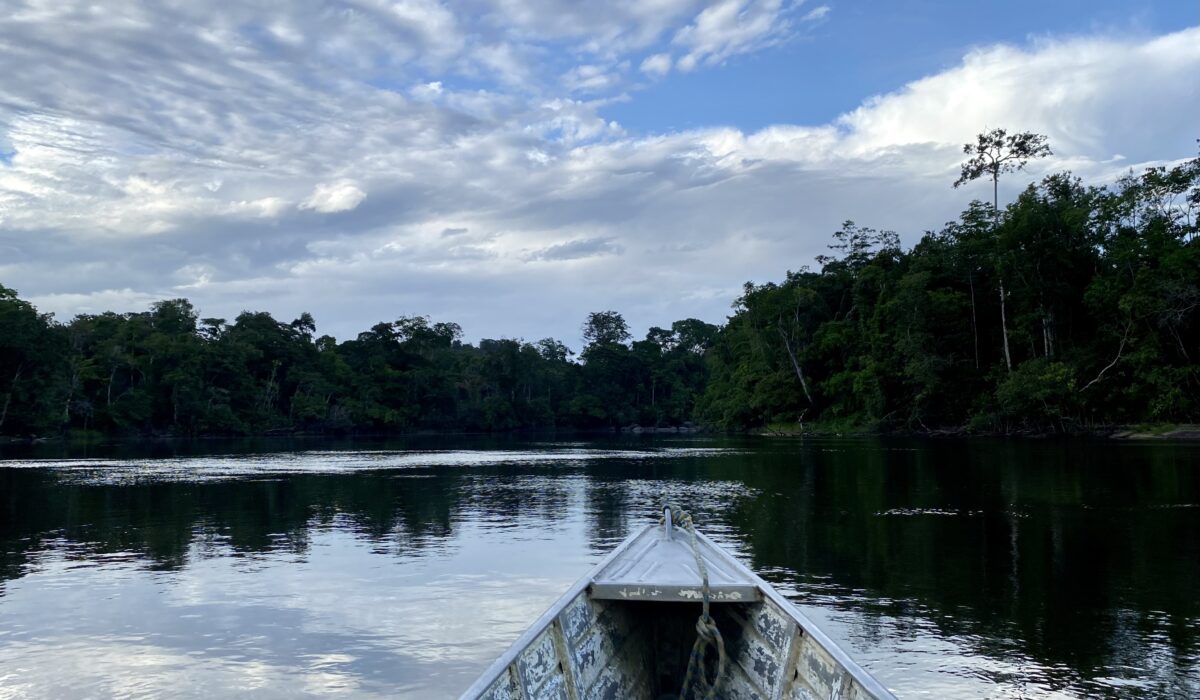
[
  {"x": 810, "y": 628},
  {"x": 535, "y": 629}
]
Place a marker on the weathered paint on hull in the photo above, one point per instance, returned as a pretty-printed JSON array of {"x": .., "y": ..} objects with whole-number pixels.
[
  {"x": 606, "y": 650},
  {"x": 587, "y": 649},
  {"x": 592, "y": 650}
]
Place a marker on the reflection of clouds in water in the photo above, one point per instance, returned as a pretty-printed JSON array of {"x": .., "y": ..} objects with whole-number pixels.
[
  {"x": 66, "y": 667},
  {"x": 342, "y": 620},
  {"x": 134, "y": 639},
  {"x": 210, "y": 468}
]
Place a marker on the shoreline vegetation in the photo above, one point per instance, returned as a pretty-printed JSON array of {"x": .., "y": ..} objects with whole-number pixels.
[
  {"x": 1169, "y": 431},
  {"x": 1075, "y": 309},
  {"x": 1185, "y": 432}
]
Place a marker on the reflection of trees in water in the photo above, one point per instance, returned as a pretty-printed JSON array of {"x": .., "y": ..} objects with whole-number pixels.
[
  {"x": 608, "y": 510},
  {"x": 159, "y": 521},
  {"x": 518, "y": 493},
  {"x": 403, "y": 510},
  {"x": 1054, "y": 551},
  {"x": 623, "y": 496}
]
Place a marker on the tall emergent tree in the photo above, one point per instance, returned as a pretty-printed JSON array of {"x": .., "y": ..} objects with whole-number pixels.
[{"x": 996, "y": 152}]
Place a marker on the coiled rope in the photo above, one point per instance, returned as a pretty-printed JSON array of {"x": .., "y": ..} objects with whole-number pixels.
[{"x": 707, "y": 634}]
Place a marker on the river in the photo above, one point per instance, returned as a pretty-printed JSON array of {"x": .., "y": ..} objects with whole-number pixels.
[{"x": 952, "y": 568}]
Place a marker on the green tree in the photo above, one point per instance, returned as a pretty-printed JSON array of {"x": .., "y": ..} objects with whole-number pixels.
[
  {"x": 995, "y": 152},
  {"x": 605, "y": 328},
  {"x": 30, "y": 351}
]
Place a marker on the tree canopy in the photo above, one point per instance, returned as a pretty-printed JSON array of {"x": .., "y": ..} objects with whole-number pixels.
[{"x": 1103, "y": 316}]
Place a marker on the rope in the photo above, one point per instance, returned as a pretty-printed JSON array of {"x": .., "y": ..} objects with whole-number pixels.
[{"x": 707, "y": 634}]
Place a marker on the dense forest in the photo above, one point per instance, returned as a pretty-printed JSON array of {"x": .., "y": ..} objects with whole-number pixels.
[
  {"x": 166, "y": 371},
  {"x": 1071, "y": 308},
  {"x": 1075, "y": 307}
]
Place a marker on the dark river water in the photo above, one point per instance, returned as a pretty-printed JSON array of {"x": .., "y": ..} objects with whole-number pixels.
[{"x": 973, "y": 569}]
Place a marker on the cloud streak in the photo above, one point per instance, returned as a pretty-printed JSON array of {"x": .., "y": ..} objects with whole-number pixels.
[{"x": 579, "y": 249}]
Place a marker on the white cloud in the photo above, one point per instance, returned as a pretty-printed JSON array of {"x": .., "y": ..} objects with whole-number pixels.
[
  {"x": 193, "y": 276},
  {"x": 1086, "y": 94},
  {"x": 268, "y": 207},
  {"x": 119, "y": 300},
  {"x": 589, "y": 78},
  {"x": 603, "y": 29},
  {"x": 731, "y": 27},
  {"x": 334, "y": 197},
  {"x": 657, "y": 65},
  {"x": 817, "y": 13},
  {"x": 428, "y": 91}
]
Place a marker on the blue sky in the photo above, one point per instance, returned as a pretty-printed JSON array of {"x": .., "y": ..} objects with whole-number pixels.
[
  {"x": 512, "y": 165},
  {"x": 867, "y": 48}
]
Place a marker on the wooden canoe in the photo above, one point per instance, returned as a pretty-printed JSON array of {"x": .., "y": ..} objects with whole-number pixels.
[{"x": 626, "y": 629}]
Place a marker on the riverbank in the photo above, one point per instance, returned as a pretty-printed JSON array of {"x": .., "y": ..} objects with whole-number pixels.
[
  {"x": 1186, "y": 431},
  {"x": 92, "y": 436},
  {"x": 1159, "y": 431}
]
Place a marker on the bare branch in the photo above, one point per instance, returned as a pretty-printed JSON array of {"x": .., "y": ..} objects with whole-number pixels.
[{"x": 1110, "y": 365}]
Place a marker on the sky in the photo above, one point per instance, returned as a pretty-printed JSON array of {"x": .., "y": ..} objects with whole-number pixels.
[{"x": 512, "y": 165}]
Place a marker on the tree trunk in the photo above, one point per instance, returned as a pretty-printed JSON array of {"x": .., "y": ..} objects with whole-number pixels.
[
  {"x": 1047, "y": 340},
  {"x": 268, "y": 393},
  {"x": 8, "y": 397},
  {"x": 1004, "y": 328},
  {"x": 974, "y": 322},
  {"x": 996, "y": 227},
  {"x": 66, "y": 417},
  {"x": 292, "y": 404},
  {"x": 996, "y": 198},
  {"x": 4, "y": 409},
  {"x": 1179, "y": 341},
  {"x": 795, "y": 364}
]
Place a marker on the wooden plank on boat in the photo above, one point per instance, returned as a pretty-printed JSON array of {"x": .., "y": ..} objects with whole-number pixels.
[{"x": 660, "y": 566}]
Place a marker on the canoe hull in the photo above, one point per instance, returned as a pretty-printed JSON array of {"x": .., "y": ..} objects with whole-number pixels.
[{"x": 592, "y": 649}]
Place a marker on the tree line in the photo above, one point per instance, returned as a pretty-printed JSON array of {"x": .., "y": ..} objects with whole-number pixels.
[
  {"x": 166, "y": 371},
  {"x": 1072, "y": 307}
]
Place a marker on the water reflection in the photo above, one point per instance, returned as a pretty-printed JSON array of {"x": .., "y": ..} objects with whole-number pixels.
[{"x": 970, "y": 569}]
